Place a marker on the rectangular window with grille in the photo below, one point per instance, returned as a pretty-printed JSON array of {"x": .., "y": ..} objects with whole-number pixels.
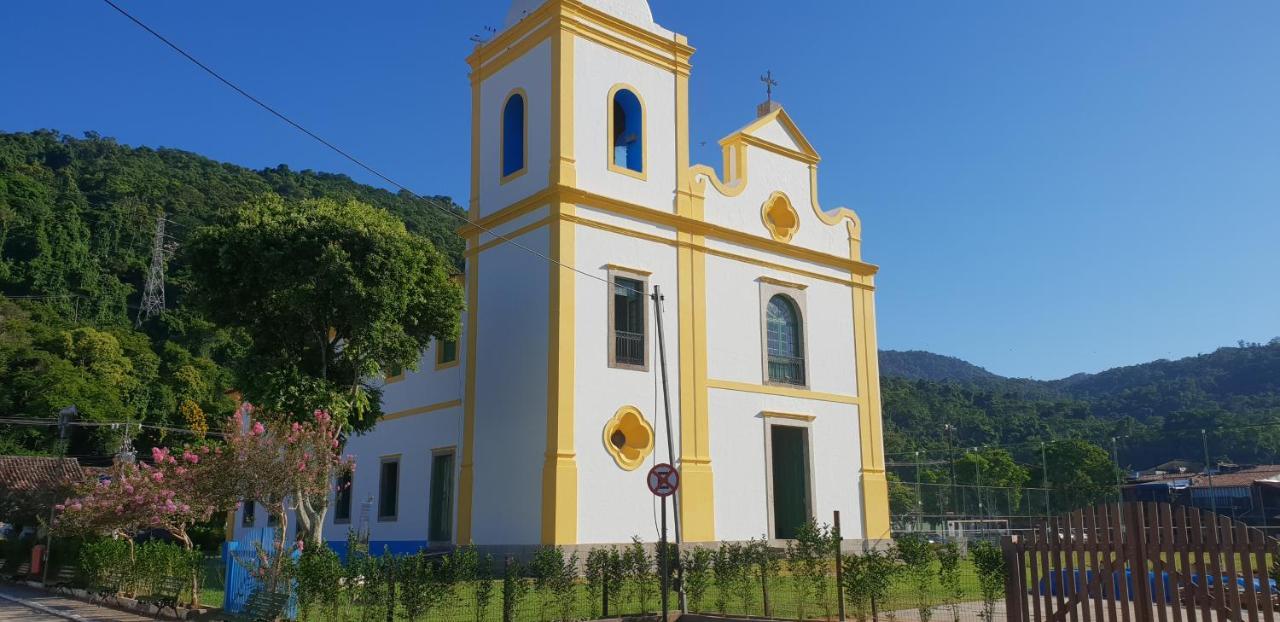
[
  {"x": 446, "y": 352},
  {"x": 389, "y": 489},
  {"x": 628, "y": 318}
]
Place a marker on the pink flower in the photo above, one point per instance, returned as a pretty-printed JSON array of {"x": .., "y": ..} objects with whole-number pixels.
[
  {"x": 204, "y": 450},
  {"x": 258, "y": 429},
  {"x": 60, "y": 507},
  {"x": 180, "y": 471},
  {"x": 157, "y": 476},
  {"x": 76, "y": 506},
  {"x": 128, "y": 488}
]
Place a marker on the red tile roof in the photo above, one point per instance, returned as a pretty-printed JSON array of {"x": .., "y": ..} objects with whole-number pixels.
[{"x": 38, "y": 473}]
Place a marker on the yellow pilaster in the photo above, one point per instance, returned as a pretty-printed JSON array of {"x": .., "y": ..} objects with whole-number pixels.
[
  {"x": 697, "y": 489},
  {"x": 466, "y": 475},
  {"x": 560, "y": 469},
  {"x": 875, "y": 488}
]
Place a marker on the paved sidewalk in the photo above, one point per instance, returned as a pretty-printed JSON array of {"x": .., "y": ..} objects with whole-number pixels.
[{"x": 19, "y": 602}]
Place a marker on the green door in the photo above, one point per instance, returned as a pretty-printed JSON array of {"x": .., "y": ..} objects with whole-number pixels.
[
  {"x": 790, "y": 479},
  {"x": 440, "y": 520}
]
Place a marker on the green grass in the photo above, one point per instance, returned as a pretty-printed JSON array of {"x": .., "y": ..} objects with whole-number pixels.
[{"x": 784, "y": 603}]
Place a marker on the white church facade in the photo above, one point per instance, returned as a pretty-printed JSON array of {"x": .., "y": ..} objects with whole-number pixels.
[{"x": 538, "y": 425}]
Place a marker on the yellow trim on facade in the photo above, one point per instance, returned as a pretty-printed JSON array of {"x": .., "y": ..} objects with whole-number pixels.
[
  {"x": 533, "y": 226},
  {"x": 560, "y": 470},
  {"x": 746, "y": 387},
  {"x": 782, "y": 283},
  {"x": 421, "y": 410},
  {"x": 768, "y": 414},
  {"x": 616, "y": 268},
  {"x": 643, "y": 173},
  {"x": 806, "y": 153},
  {"x": 466, "y": 474},
  {"x": 576, "y": 18},
  {"x": 681, "y": 223},
  {"x": 875, "y": 486},
  {"x": 502, "y": 137},
  {"x": 595, "y": 224},
  {"x": 775, "y": 212},
  {"x": 638, "y": 438}
]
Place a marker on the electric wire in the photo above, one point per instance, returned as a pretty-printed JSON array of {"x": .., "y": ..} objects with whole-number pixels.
[{"x": 358, "y": 162}]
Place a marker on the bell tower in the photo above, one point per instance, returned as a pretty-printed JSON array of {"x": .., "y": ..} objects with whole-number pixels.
[{"x": 571, "y": 98}]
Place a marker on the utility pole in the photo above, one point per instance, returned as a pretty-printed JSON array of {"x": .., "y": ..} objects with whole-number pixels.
[
  {"x": 977, "y": 474},
  {"x": 671, "y": 451},
  {"x": 1115, "y": 457},
  {"x": 919, "y": 499},
  {"x": 1213, "y": 497},
  {"x": 951, "y": 457},
  {"x": 1044, "y": 478},
  {"x": 64, "y": 428},
  {"x": 152, "y": 303}
]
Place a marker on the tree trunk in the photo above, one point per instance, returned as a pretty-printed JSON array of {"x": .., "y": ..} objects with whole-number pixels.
[{"x": 185, "y": 539}]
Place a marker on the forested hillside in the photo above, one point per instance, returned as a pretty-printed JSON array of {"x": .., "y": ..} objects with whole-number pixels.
[
  {"x": 77, "y": 221},
  {"x": 77, "y": 217},
  {"x": 1155, "y": 409}
]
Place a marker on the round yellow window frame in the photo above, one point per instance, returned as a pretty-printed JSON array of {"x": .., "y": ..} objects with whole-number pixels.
[{"x": 628, "y": 437}]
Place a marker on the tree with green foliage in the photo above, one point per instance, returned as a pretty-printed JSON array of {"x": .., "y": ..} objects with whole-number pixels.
[
  {"x": 949, "y": 559},
  {"x": 917, "y": 557},
  {"x": 867, "y": 579},
  {"x": 988, "y": 559},
  {"x": 331, "y": 295}
]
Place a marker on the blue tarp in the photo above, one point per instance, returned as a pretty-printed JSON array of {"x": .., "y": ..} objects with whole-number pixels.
[{"x": 1050, "y": 584}]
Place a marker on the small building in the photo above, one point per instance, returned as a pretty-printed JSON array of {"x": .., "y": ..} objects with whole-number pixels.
[
  {"x": 30, "y": 485},
  {"x": 1247, "y": 493}
]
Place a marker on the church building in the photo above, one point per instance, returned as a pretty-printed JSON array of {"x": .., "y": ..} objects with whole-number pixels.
[{"x": 539, "y": 424}]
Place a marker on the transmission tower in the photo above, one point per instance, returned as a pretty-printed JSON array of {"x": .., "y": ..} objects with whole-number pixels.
[{"x": 153, "y": 292}]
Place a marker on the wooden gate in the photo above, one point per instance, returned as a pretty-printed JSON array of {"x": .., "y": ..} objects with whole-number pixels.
[{"x": 1140, "y": 562}]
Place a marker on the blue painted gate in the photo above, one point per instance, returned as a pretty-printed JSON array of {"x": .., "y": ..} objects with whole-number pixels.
[{"x": 240, "y": 557}]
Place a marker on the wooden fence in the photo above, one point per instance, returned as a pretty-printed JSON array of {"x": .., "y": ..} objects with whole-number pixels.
[{"x": 1140, "y": 562}]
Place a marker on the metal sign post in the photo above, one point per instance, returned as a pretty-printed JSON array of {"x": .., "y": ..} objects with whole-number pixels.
[
  {"x": 671, "y": 452},
  {"x": 663, "y": 481}
]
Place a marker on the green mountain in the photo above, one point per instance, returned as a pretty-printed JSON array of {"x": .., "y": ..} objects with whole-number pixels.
[
  {"x": 77, "y": 223},
  {"x": 1155, "y": 410},
  {"x": 921, "y": 365}
]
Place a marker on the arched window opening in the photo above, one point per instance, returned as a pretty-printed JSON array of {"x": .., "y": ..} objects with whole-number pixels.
[
  {"x": 628, "y": 131},
  {"x": 513, "y": 135},
  {"x": 785, "y": 341}
]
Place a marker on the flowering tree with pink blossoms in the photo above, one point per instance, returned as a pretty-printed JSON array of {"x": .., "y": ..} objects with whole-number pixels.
[
  {"x": 171, "y": 494},
  {"x": 283, "y": 464}
]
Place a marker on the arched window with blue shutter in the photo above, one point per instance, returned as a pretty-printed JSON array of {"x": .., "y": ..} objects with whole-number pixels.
[
  {"x": 626, "y": 132},
  {"x": 785, "y": 341},
  {"x": 514, "y": 135}
]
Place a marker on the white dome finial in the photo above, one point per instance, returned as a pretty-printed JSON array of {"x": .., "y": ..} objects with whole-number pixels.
[{"x": 635, "y": 11}]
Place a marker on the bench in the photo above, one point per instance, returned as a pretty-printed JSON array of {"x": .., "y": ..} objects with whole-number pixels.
[
  {"x": 66, "y": 576},
  {"x": 21, "y": 573},
  {"x": 263, "y": 606},
  {"x": 165, "y": 594},
  {"x": 106, "y": 585}
]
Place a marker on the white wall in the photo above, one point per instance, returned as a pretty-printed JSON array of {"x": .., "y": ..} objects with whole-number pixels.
[
  {"x": 511, "y": 392},
  {"x": 531, "y": 72},
  {"x": 597, "y": 70},
  {"x": 615, "y": 504},
  {"x": 413, "y": 438},
  {"x": 738, "y": 456}
]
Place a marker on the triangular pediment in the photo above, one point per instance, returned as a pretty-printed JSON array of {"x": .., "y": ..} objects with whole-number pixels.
[{"x": 777, "y": 128}]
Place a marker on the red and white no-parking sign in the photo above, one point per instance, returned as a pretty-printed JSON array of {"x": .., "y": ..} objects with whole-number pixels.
[{"x": 663, "y": 480}]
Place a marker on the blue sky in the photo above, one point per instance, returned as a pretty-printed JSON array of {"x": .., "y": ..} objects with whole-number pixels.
[{"x": 1048, "y": 187}]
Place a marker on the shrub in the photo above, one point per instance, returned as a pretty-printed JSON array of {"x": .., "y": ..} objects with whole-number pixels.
[
  {"x": 514, "y": 588},
  {"x": 809, "y": 557},
  {"x": 916, "y": 555},
  {"x": 697, "y": 576},
  {"x": 99, "y": 557},
  {"x": 767, "y": 564},
  {"x": 553, "y": 580},
  {"x": 867, "y": 579},
  {"x": 470, "y": 566},
  {"x": 319, "y": 574},
  {"x": 949, "y": 578},
  {"x": 638, "y": 567},
  {"x": 731, "y": 567},
  {"x": 988, "y": 559},
  {"x": 605, "y": 576}
]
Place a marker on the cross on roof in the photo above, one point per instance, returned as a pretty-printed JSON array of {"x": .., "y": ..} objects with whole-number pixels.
[{"x": 769, "y": 83}]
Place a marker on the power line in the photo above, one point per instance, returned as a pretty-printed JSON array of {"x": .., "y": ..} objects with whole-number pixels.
[{"x": 280, "y": 115}]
